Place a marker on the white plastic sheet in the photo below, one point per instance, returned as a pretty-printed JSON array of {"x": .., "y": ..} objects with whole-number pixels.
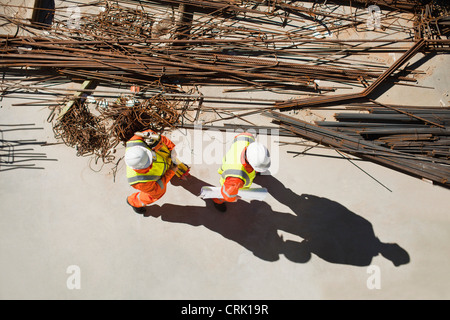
[{"x": 245, "y": 194}]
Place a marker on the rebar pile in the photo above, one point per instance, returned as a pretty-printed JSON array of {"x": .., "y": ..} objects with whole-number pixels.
[
  {"x": 253, "y": 46},
  {"x": 99, "y": 134},
  {"x": 415, "y": 131},
  {"x": 80, "y": 129},
  {"x": 117, "y": 68},
  {"x": 258, "y": 45},
  {"x": 157, "y": 114},
  {"x": 431, "y": 166},
  {"x": 165, "y": 46}
]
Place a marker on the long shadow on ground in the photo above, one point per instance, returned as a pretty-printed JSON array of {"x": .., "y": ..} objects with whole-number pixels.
[{"x": 329, "y": 230}]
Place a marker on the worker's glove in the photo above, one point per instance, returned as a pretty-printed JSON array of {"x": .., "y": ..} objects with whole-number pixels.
[
  {"x": 173, "y": 156},
  {"x": 174, "y": 167}
]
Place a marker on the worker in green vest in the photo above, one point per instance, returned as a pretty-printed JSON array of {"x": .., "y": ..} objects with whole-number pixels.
[
  {"x": 149, "y": 169},
  {"x": 245, "y": 158}
]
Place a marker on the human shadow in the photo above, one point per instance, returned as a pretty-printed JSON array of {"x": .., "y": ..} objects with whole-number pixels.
[
  {"x": 328, "y": 229},
  {"x": 252, "y": 224},
  {"x": 331, "y": 231}
]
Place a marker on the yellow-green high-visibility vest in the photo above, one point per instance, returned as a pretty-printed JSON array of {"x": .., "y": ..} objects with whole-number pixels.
[
  {"x": 156, "y": 172},
  {"x": 231, "y": 164}
]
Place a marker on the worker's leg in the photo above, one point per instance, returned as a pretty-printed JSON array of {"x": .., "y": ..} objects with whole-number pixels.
[
  {"x": 229, "y": 192},
  {"x": 219, "y": 204},
  {"x": 140, "y": 210},
  {"x": 139, "y": 201}
]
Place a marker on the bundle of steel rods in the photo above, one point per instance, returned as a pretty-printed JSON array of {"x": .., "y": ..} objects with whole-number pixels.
[
  {"x": 144, "y": 68},
  {"x": 417, "y": 131},
  {"x": 133, "y": 46},
  {"x": 420, "y": 153},
  {"x": 19, "y": 153}
]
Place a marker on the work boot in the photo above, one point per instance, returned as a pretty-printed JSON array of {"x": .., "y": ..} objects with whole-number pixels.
[
  {"x": 139, "y": 210},
  {"x": 220, "y": 206}
]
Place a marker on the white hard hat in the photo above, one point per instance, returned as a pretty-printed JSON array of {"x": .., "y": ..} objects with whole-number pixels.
[
  {"x": 258, "y": 156},
  {"x": 138, "y": 158}
]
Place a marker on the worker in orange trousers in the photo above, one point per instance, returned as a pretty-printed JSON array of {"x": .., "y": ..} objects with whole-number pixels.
[
  {"x": 149, "y": 169},
  {"x": 239, "y": 167}
]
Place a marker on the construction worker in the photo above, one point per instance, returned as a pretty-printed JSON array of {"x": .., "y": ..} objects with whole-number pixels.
[
  {"x": 149, "y": 168},
  {"x": 241, "y": 163}
]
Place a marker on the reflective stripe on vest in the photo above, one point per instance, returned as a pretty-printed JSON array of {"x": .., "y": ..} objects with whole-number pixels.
[
  {"x": 159, "y": 167},
  {"x": 226, "y": 193},
  {"x": 232, "y": 166}
]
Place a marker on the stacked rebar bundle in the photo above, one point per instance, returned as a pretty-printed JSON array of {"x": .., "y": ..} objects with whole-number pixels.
[
  {"x": 145, "y": 68},
  {"x": 433, "y": 167},
  {"x": 416, "y": 131}
]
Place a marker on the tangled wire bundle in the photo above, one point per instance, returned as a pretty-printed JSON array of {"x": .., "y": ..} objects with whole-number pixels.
[
  {"x": 80, "y": 129},
  {"x": 155, "y": 113},
  {"x": 116, "y": 123},
  {"x": 114, "y": 20}
]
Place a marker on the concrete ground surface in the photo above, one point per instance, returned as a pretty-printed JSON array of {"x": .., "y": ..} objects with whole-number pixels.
[{"x": 330, "y": 229}]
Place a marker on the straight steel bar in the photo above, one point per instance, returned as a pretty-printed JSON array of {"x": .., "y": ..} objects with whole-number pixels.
[
  {"x": 440, "y": 174},
  {"x": 354, "y": 96}
]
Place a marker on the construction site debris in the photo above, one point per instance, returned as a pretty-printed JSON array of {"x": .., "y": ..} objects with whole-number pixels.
[{"x": 161, "y": 49}]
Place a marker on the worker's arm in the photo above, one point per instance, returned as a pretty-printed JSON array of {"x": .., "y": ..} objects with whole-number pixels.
[
  {"x": 230, "y": 188},
  {"x": 155, "y": 188},
  {"x": 169, "y": 174},
  {"x": 135, "y": 137},
  {"x": 170, "y": 145}
]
